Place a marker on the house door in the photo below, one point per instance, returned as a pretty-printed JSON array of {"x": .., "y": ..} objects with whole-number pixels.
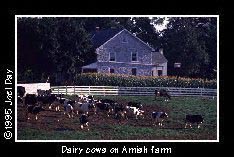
[
  {"x": 134, "y": 71},
  {"x": 159, "y": 72}
]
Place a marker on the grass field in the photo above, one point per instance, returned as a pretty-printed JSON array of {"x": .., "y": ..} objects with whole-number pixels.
[{"x": 107, "y": 128}]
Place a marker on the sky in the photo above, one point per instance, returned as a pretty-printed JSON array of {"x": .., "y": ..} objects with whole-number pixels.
[{"x": 163, "y": 26}]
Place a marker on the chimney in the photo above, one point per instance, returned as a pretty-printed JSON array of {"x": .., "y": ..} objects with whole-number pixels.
[{"x": 161, "y": 51}]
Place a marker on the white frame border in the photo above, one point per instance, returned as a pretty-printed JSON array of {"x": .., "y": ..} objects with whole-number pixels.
[{"x": 17, "y": 16}]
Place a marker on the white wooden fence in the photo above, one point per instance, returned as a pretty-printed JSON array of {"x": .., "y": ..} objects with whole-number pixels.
[{"x": 131, "y": 91}]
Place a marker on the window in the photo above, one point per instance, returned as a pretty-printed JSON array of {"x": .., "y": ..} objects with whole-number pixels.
[
  {"x": 134, "y": 71},
  {"x": 112, "y": 70},
  {"x": 159, "y": 72},
  {"x": 134, "y": 56},
  {"x": 112, "y": 56},
  {"x": 124, "y": 40}
]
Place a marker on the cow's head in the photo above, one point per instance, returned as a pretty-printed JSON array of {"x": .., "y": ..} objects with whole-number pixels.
[{"x": 164, "y": 115}]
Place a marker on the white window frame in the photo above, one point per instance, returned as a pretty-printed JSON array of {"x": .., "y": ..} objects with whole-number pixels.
[
  {"x": 136, "y": 56},
  {"x": 110, "y": 56}
]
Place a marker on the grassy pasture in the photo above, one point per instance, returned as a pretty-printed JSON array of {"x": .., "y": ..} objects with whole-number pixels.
[{"x": 107, "y": 128}]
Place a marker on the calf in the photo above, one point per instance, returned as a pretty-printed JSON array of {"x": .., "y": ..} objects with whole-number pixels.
[
  {"x": 84, "y": 121},
  {"x": 193, "y": 119},
  {"x": 35, "y": 110},
  {"x": 158, "y": 117}
]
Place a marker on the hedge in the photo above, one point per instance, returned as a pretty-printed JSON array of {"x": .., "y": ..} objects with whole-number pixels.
[{"x": 96, "y": 79}]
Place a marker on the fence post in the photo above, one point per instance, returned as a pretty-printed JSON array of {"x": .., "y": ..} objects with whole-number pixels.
[
  {"x": 74, "y": 90},
  {"x": 66, "y": 89},
  {"x": 58, "y": 90},
  {"x": 89, "y": 90}
]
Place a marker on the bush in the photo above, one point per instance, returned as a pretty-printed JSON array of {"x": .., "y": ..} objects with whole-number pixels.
[{"x": 96, "y": 79}]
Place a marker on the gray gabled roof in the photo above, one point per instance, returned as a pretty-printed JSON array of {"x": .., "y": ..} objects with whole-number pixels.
[
  {"x": 158, "y": 58},
  {"x": 102, "y": 36}
]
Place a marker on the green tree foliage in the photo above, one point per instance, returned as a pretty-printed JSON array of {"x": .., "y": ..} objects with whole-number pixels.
[
  {"x": 193, "y": 42},
  {"x": 48, "y": 46}
]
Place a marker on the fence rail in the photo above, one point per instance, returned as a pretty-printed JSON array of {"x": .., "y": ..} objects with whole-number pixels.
[{"x": 131, "y": 91}]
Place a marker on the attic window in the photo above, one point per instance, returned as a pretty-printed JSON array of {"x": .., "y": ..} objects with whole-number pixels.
[{"x": 124, "y": 39}]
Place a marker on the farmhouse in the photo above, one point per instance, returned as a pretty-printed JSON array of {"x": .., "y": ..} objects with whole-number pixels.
[{"x": 119, "y": 51}]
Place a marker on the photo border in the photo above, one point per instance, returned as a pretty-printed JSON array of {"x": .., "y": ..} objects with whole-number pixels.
[{"x": 148, "y": 141}]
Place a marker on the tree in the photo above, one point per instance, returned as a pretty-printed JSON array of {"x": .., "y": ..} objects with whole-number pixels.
[
  {"x": 191, "y": 41},
  {"x": 52, "y": 45}
]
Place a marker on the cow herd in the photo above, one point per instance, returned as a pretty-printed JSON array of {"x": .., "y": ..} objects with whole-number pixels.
[{"x": 83, "y": 106}]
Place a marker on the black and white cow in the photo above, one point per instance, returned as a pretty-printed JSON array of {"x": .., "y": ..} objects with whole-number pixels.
[
  {"x": 84, "y": 121},
  {"x": 135, "y": 104},
  {"x": 20, "y": 100},
  {"x": 30, "y": 99},
  {"x": 20, "y": 91},
  {"x": 120, "y": 112},
  {"x": 158, "y": 118},
  {"x": 162, "y": 93},
  {"x": 68, "y": 107},
  {"x": 84, "y": 107},
  {"x": 35, "y": 110},
  {"x": 55, "y": 105},
  {"x": 105, "y": 107},
  {"x": 44, "y": 92},
  {"x": 135, "y": 111},
  {"x": 47, "y": 99},
  {"x": 193, "y": 119}
]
